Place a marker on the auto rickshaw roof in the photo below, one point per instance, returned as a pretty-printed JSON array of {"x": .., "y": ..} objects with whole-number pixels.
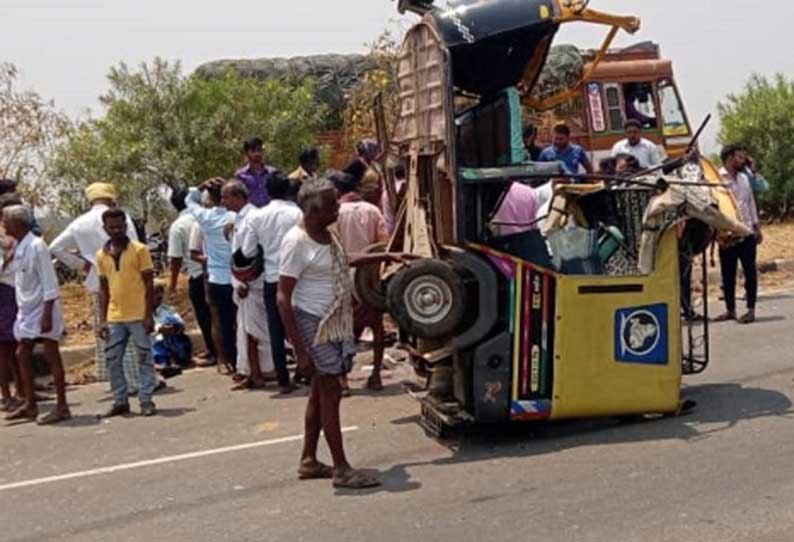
[{"x": 495, "y": 44}]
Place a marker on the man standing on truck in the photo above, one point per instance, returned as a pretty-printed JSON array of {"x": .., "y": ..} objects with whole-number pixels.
[
  {"x": 570, "y": 154},
  {"x": 645, "y": 151}
]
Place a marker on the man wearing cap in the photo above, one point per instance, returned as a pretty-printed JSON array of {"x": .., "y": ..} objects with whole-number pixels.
[{"x": 77, "y": 247}]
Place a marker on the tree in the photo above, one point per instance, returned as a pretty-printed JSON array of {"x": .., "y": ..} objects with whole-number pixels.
[
  {"x": 30, "y": 128},
  {"x": 359, "y": 122},
  {"x": 761, "y": 118},
  {"x": 222, "y": 113},
  {"x": 164, "y": 130}
]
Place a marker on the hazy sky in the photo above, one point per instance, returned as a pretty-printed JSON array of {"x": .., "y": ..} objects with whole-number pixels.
[{"x": 64, "y": 47}]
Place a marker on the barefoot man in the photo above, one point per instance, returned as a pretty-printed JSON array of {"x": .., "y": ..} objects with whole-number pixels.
[
  {"x": 39, "y": 315},
  {"x": 316, "y": 303}
]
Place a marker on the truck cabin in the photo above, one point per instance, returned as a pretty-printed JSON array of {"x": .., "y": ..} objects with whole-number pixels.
[{"x": 632, "y": 84}]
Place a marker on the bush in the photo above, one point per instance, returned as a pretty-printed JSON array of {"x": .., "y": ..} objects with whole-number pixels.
[
  {"x": 164, "y": 130},
  {"x": 761, "y": 118}
]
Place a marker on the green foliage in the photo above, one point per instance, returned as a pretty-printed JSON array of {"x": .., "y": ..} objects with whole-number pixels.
[
  {"x": 761, "y": 119},
  {"x": 225, "y": 112},
  {"x": 163, "y": 130}
]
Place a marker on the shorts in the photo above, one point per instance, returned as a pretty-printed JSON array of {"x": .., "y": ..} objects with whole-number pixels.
[{"x": 333, "y": 359}]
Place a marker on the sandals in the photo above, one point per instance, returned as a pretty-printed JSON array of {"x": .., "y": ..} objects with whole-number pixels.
[
  {"x": 317, "y": 472},
  {"x": 356, "y": 480},
  {"x": 747, "y": 318},
  {"x": 55, "y": 416},
  {"x": 10, "y": 404},
  {"x": 249, "y": 384},
  {"x": 22, "y": 413}
]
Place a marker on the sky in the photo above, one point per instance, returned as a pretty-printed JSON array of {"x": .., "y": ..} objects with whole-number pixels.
[{"x": 64, "y": 48}]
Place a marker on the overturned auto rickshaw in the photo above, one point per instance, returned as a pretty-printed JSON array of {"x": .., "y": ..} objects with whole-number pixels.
[{"x": 579, "y": 317}]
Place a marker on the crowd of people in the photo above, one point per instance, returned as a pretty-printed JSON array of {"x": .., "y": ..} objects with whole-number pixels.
[{"x": 268, "y": 259}]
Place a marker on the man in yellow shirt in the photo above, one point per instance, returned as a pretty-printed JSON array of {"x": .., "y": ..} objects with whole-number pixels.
[{"x": 126, "y": 283}]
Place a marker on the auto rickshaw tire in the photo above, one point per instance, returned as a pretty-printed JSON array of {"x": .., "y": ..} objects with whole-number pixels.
[
  {"x": 427, "y": 299},
  {"x": 487, "y": 302},
  {"x": 368, "y": 284}
]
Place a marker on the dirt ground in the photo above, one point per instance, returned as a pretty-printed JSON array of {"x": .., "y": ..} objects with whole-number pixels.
[{"x": 78, "y": 312}]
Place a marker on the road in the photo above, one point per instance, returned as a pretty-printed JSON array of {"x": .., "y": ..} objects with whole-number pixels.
[{"x": 218, "y": 466}]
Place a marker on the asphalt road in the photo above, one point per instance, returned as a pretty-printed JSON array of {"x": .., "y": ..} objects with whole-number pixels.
[{"x": 220, "y": 466}]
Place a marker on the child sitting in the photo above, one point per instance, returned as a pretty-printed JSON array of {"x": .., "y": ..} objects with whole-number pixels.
[{"x": 171, "y": 347}]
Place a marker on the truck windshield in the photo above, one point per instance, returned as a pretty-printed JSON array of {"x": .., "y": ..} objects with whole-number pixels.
[
  {"x": 640, "y": 105},
  {"x": 675, "y": 123}
]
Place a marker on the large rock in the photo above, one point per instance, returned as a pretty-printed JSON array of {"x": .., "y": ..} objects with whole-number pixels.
[{"x": 334, "y": 75}]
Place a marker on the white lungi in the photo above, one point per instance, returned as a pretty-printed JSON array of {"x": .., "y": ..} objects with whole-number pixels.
[{"x": 252, "y": 320}]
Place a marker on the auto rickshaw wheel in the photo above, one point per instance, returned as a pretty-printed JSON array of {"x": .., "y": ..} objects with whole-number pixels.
[
  {"x": 427, "y": 299},
  {"x": 369, "y": 287}
]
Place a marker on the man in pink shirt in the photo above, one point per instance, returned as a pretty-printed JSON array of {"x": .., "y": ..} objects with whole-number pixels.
[
  {"x": 518, "y": 211},
  {"x": 361, "y": 224}
]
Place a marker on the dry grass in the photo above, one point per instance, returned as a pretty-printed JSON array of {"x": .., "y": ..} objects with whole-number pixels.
[{"x": 778, "y": 242}]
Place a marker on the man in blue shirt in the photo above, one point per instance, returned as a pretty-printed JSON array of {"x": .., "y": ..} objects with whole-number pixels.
[
  {"x": 216, "y": 224},
  {"x": 562, "y": 150}
]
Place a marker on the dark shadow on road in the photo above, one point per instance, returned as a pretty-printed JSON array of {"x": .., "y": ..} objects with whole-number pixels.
[
  {"x": 407, "y": 420},
  {"x": 394, "y": 480},
  {"x": 389, "y": 390},
  {"x": 174, "y": 412},
  {"x": 723, "y": 405},
  {"x": 775, "y": 297},
  {"x": 768, "y": 319},
  {"x": 83, "y": 420}
]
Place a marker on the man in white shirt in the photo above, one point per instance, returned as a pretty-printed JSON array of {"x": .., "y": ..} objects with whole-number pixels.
[
  {"x": 254, "y": 359},
  {"x": 77, "y": 247},
  {"x": 179, "y": 257},
  {"x": 734, "y": 159},
  {"x": 39, "y": 318},
  {"x": 645, "y": 151},
  {"x": 268, "y": 226}
]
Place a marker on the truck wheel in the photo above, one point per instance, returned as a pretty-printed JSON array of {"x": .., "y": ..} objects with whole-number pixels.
[
  {"x": 369, "y": 287},
  {"x": 427, "y": 299}
]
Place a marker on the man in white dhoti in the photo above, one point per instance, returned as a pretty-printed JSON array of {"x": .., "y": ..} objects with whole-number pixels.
[{"x": 254, "y": 358}]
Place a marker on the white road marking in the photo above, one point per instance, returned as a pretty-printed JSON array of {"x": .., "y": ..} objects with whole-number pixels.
[{"x": 158, "y": 461}]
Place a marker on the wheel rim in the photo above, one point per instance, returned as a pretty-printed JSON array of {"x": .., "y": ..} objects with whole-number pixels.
[{"x": 427, "y": 299}]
